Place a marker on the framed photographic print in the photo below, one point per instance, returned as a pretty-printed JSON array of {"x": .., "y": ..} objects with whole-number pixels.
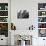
[{"x": 23, "y": 14}]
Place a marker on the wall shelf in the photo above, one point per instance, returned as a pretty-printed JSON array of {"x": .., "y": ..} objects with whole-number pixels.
[
  {"x": 41, "y": 10},
  {"x": 4, "y": 19},
  {"x": 41, "y": 28},
  {"x": 3, "y": 22},
  {"x": 42, "y": 19},
  {"x": 3, "y": 16},
  {"x": 3, "y": 10},
  {"x": 42, "y": 16},
  {"x": 41, "y": 22}
]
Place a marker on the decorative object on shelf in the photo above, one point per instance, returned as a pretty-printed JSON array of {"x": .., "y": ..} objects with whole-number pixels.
[
  {"x": 43, "y": 13},
  {"x": 0, "y": 7},
  {"x": 41, "y": 19},
  {"x": 3, "y": 19},
  {"x": 40, "y": 25},
  {"x": 31, "y": 27},
  {"x": 23, "y": 14},
  {"x": 3, "y": 6},
  {"x": 3, "y": 13},
  {"x": 41, "y": 6},
  {"x": 42, "y": 32},
  {"x": 6, "y": 7},
  {"x": 4, "y": 26},
  {"x": 4, "y": 29},
  {"x": 13, "y": 27}
]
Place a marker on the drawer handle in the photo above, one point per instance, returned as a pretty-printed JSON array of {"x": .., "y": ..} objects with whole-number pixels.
[
  {"x": 1, "y": 39},
  {"x": 43, "y": 39}
]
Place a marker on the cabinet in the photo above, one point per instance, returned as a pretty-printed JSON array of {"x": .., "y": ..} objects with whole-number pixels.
[
  {"x": 4, "y": 19},
  {"x": 4, "y": 23},
  {"x": 3, "y": 40},
  {"x": 42, "y": 19}
]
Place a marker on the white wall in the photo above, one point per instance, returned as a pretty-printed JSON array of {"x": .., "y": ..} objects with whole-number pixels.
[
  {"x": 29, "y": 5},
  {"x": 23, "y": 24}
]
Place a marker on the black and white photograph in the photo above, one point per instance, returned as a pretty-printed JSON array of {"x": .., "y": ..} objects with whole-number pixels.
[{"x": 23, "y": 14}]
